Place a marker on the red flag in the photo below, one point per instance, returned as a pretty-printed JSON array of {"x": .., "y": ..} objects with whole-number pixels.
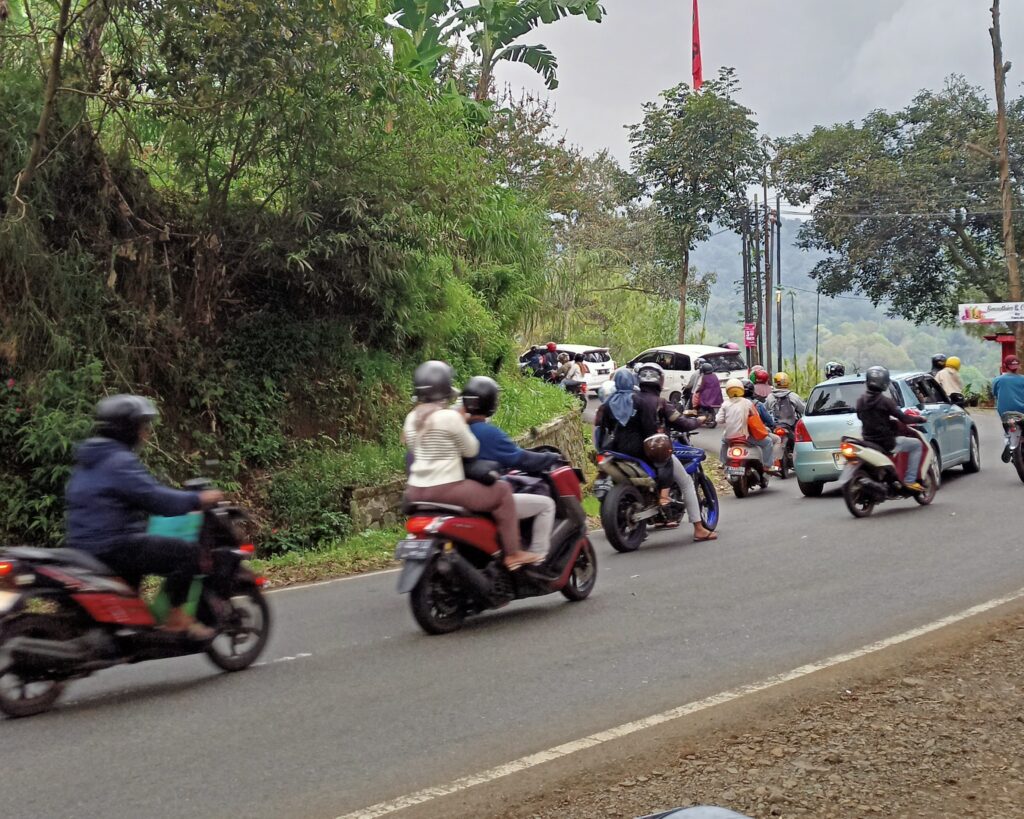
[{"x": 698, "y": 68}]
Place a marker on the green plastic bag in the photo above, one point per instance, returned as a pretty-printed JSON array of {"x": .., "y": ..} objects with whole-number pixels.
[{"x": 182, "y": 527}]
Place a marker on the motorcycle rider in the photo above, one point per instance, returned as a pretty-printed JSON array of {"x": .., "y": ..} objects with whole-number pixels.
[
  {"x": 438, "y": 439},
  {"x": 708, "y": 397},
  {"x": 938, "y": 363},
  {"x": 570, "y": 373},
  {"x": 834, "y": 370},
  {"x": 694, "y": 383},
  {"x": 762, "y": 387},
  {"x": 1008, "y": 390},
  {"x": 733, "y": 414},
  {"x": 876, "y": 411},
  {"x": 784, "y": 404},
  {"x": 535, "y": 360},
  {"x": 631, "y": 417},
  {"x": 110, "y": 496},
  {"x": 950, "y": 381},
  {"x": 480, "y": 398},
  {"x": 759, "y": 405},
  {"x": 550, "y": 357}
]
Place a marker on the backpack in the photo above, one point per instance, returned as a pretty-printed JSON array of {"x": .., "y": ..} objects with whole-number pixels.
[
  {"x": 785, "y": 411},
  {"x": 758, "y": 431}
]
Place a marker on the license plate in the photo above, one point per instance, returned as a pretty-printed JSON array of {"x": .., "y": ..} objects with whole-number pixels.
[
  {"x": 839, "y": 459},
  {"x": 7, "y": 600},
  {"x": 413, "y": 549},
  {"x": 735, "y": 471}
]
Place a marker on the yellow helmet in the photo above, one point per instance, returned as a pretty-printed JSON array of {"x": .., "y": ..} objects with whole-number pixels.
[
  {"x": 734, "y": 388},
  {"x": 953, "y": 362},
  {"x": 782, "y": 381}
]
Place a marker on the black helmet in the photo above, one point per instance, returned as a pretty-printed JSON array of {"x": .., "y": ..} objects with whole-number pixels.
[
  {"x": 877, "y": 379},
  {"x": 122, "y": 417},
  {"x": 939, "y": 361},
  {"x": 748, "y": 388},
  {"x": 834, "y": 370},
  {"x": 432, "y": 382},
  {"x": 578, "y": 358},
  {"x": 651, "y": 373},
  {"x": 480, "y": 396},
  {"x": 706, "y": 368}
]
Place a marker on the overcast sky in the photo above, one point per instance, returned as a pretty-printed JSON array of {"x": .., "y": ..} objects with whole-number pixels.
[{"x": 801, "y": 62}]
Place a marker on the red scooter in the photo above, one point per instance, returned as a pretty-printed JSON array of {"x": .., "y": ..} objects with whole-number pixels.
[{"x": 453, "y": 563}]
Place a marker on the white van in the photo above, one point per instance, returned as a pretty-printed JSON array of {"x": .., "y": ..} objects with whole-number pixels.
[{"x": 677, "y": 360}]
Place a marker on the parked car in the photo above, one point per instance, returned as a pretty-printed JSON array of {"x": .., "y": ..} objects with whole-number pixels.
[
  {"x": 677, "y": 362},
  {"x": 598, "y": 360},
  {"x": 831, "y": 414}
]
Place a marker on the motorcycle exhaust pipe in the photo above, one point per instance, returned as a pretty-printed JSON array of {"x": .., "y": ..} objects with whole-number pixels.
[{"x": 471, "y": 576}]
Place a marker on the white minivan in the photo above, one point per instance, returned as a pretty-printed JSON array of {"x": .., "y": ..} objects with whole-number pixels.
[{"x": 677, "y": 360}]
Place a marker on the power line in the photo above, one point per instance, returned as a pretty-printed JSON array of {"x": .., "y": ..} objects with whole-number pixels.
[
  {"x": 899, "y": 215},
  {"x": 818, "y": 292}
]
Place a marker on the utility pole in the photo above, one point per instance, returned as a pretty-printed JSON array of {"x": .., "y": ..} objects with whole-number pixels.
[
  {"x": 746, "y": 279},
  {"x": 778, "y": 272},
  {"x": 759, "y": 299},
  {"x": 769, "y": 291},
  {"x": 1009, "y": 243}
]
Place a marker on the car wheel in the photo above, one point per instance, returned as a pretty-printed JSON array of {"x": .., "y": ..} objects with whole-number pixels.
[
  {"x": 812, "y": 489},
  {"x": 973, "y": 465}
]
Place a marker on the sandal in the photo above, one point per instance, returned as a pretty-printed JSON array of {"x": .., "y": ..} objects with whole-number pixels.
[
  {"x": 705, "y": 538},
  {"x": 520, "y": 559}
]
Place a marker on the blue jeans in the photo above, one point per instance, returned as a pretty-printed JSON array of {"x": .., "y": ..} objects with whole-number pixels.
[{"x": 912, "y": 446}]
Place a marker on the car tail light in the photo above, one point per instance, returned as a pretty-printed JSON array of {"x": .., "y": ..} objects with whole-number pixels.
[
  {"x": 801, "y": 435},
  {"x": 849, "y": 451},
  {"x": 418, "y": 525}
]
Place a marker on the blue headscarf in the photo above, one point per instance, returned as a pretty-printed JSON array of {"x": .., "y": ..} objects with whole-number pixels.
[{"x": 621, "y": 403}]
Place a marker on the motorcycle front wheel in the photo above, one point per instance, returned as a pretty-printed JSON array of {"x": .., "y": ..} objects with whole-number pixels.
[
  {"x": 707, "y": 497},
  {"x": 617, "y": 511},
  {"x": 1018, "y": 460},
  {"x": 931, "y": 485},
  {"x": 243, "y": 629},
  {"x": 584, "y": 575},
  {"x": 858, "y": 496},
  {"x": 437, "y": 603},
  {"x": 24, "y": 692}
]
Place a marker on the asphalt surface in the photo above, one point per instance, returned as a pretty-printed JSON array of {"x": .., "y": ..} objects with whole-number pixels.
[{"x": 355, "y": 705}]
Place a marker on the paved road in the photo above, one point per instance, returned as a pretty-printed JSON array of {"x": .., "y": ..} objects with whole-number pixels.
[{"x": 378, "y": 709}]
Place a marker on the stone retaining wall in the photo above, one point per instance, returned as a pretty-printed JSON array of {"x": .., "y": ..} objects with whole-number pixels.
[{"x": 378, "y": 506}]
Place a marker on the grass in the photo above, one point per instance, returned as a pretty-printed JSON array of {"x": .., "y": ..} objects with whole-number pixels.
[
  {"x": 529, "y": 402},
  {"x": 364, "y": 552}
]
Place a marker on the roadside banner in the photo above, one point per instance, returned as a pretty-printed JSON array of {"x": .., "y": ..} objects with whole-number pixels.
[
  {"x": 992, "y": 313},
  {"x": 750, "y": 335}
]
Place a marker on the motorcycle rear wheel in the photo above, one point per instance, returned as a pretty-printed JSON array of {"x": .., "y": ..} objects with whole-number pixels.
[
  {"x": 617, "y": 508},
  {"x": 24, "y": 695},
  {"x": 858, "y": 497},
  {"x": 1018, "y": 460},
  {"x": 739, "y": 487},
  {"x": 242, "y": 635},
  {"x": 437, "y": 605},
  {"x": 584, "y": 575}
]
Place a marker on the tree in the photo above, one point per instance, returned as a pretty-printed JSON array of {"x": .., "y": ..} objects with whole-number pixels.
[
  {"x": 908, "y": 213},
  {"x": 693, "y": 155}
]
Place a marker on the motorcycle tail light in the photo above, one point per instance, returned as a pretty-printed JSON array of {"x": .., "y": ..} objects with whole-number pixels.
[
  {"x": 418, "y": 525},
  {"x": 260, "y": 582},
  {"x": 247, "y": 548},
  {"x": 849, "y": 451},
  {"x": 600, "y": 459},
  {"x": 6, "y": 567},
  {"x": 780, "y": 431},
  {"x": 800, "y": 434},
  {"x": 737, "y": 452}
]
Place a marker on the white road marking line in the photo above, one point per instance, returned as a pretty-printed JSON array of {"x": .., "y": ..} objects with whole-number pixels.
[
  {"x": 288, "y": 659},
  {"x": 301, "y": 586},
  {"x": 532, "y": 760}
]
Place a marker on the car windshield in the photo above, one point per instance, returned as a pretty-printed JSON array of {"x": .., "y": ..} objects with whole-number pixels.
[
  {"x": 726, "y": 363},
  {"x": 597, "y": 357},
  {"x": 835, "y": 399}
]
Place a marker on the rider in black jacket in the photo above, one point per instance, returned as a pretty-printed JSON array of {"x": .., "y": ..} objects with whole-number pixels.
[{"x": 876, "y": 411}]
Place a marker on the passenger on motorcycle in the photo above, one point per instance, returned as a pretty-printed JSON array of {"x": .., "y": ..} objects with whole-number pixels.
[
  {"x": 762, "y": 387},
  {"x": 1008, "y": 390},
  {"x": 631, "y": 417},
  {"x": 949, "y": 379},
  {"x": 570, "y": 373},
  {"x": 480, "y": 398},
  {"x": 784, "y": 404},
  {"x": 708, "y": 396},
  {"x": 438, "y": 438},
  {"x": 876, "y": 411},
  {"x": 834, "y": 370},
  {"x": 762, "y": 410},
  {"x": 110, "y": 497}
]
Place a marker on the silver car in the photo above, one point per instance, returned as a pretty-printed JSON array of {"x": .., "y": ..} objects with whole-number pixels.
[{"x": 832, "y": 413}]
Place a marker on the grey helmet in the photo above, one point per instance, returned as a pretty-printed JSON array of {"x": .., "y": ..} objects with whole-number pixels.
[
  {"x": 432, "y": 382},
  {"x": 122, "y": 417},
  {"x": 650, "y": 373}
]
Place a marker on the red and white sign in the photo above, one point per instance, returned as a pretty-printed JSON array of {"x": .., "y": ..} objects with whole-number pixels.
[{"x": 750, "y": 335}]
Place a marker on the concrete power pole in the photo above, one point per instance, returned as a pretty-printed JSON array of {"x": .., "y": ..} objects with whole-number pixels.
[{"x": 1009, "y": 242}]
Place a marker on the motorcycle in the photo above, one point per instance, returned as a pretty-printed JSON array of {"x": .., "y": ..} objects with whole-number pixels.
[
  {"x": 787, "y": 462},
  {"x": 1013, "y": 422},
  {"x": 65, "y": 615},
  {"x": 871, "y": 476},
  {"x": 453, "y": 564},
  {"x": 744, "y": 467},
  {"x": 627, "y": 490}
]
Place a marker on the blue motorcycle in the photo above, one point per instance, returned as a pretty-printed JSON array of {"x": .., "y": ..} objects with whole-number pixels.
[{"x": 628, "y": 492}]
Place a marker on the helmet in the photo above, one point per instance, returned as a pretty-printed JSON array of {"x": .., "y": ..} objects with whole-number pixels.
[
  {"x": 480, "y": 396},
  {"x": 760, "y": 375},
  {"x": 650, "y": 373},
  {"x": 658, "y": 449},
  {"x": 122, "y": 417},
  {"x": 834, "y": 370},
  {"x": 552, "y": 346},
  {"x": 734, "y": 388},
  {"x": 698, "y": 363},
  {"x": 877, "y": 379},
  {"x": 731, "y": 345},
  {"x": 748, "y": 388},
  {"x": 578, "y": 358},
  {"x": 706, "y": 368},
  {"x": 606, "y": 390},
  {"x": 938, "y": 361},
  {"x": 563, "y": 357},
  {"x": 432, "y": 382},
  {"x": 782, "y": 381},
  {"x": 953, "y": 362}
]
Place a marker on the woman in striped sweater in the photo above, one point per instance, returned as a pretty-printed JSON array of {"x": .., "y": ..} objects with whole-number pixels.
[{"x": 438, "y": 438}]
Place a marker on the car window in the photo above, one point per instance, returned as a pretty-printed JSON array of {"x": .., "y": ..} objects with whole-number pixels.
[
  {"x": 726, "y": 362},
  {"x": 682, "y": 362},
  {"x": 666, "y": 360},
  {"x": 937, "y": 395},
  {"x": 834, "y": 399},
  {"x": 645, "y": 358},
  {"x": 597, "y": 357}
]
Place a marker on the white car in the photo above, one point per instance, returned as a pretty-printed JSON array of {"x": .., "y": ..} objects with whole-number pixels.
[
  {"x": 677, "y": 360},
  {"x": 598, "y": 360}
]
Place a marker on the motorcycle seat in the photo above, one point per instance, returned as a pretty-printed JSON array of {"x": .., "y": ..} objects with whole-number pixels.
[
  {"x": 426, "y": 506},
  {"x": 69, "y": 557}
]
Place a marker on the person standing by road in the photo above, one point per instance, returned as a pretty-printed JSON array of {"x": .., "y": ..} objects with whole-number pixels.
[{"x": 1008, "y": 390}]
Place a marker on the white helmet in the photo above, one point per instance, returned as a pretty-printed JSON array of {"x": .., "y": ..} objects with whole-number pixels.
[
  {"x": 651, "y": 373},
  {"x": 734, "y": 388},
  {"x": 606, "y": 391}
]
